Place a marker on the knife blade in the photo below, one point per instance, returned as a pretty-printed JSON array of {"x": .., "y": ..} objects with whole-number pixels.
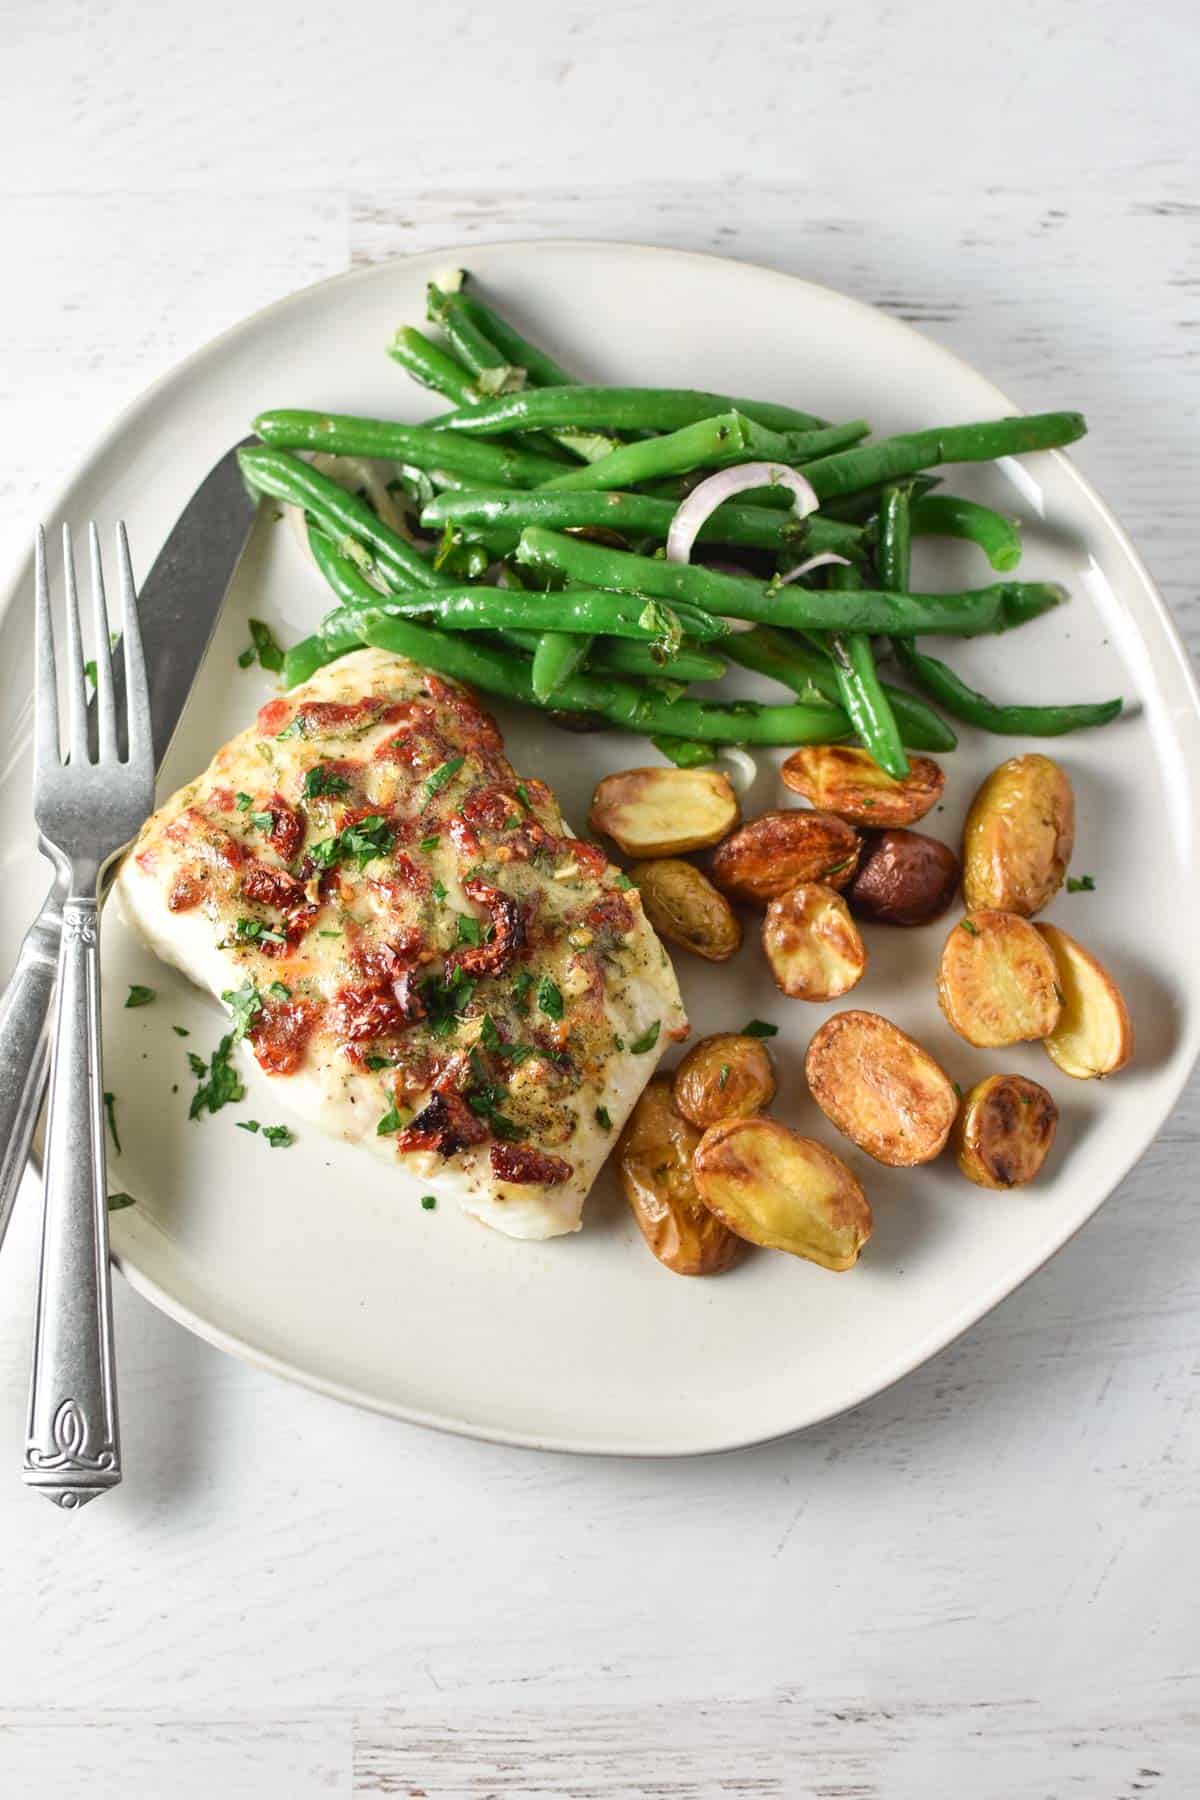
[{"x": 179, "y": 603}]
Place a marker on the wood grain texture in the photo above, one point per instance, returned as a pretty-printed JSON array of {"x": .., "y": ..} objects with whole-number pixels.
[{"x": 980, "y": 1581}]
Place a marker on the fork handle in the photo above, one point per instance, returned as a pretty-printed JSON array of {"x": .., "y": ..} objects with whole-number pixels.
[
  {"x": 73, "y": 1448},
  {"x": 25, "y": 1007}
]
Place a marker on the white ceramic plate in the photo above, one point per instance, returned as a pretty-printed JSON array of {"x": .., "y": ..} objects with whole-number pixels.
[{"x": 317, "y": 1261}]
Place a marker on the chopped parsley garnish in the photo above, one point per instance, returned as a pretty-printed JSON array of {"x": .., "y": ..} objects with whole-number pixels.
[
  {"x": 1084, "y": 884},
  {"x": 220, "y": 1083},
  {"x": 257, "y": 931},
  {"x": 489, "y": 1037},
  {"x": 662, "y": 622},
  {"x": 521, "y": 987},
  {"x": 375, "y": 1063},
  {"x": 296, "y": 728},
  {"x": 966, "y": 925},
  {"x": 197, "y": 1065},
  {"x": 278, "y": 1136},
  {"x": 110, "y": 1111},
  {"x": 516, "y": 1054},
  {"x": 117, "y": 1202},
  {"x": 470, "y": 929},
  {"x": 393, "y": 1120},
  {"x": 429, "y": 843},
  {"x": 181, "y": 1031},
  {"x": 429, "y": 1202},
  {"x": 244, "y": 802},
  {"x": 723, "y": 1077},
  {"x": 523, "y": 796},
  {"x": 442, "y": 775},
  {"x": 263, "y": 647},
  {"x": 329, "y": 934},
  {"x": 438, "y": 890},
  {"x": 321, "y": 783},
  {"x": 247, "y": 1125},
  {"x": 759, "y": 1028},
  {"x": 549, "y": 998},
  {"x": 89, "y": 669},
  {"x": 445, "y": 999},
  {"x": 623, "y": 881},
  {"x": 485, "y": 1100},
  {"x": 647, "y": 1039},
  {"x": 263, "y": 821},
  {"x": 245, "y": 1003},
  {"x": 360, "y": 843},
  {"x": 603, "y": 1118},
  {"x": 278, "y": 991},
  {"x": 139, "y": 995}
]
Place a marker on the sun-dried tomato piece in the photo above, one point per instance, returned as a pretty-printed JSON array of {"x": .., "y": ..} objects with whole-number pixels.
[
  {"x": 508, "y": 932},
  {"x": 287, "y": 828},
  {"x": 272, "y": 887},
  {"x": 279, "y": 1035},
  {"x": 186, "y": 891},
  {"x": 273, "y": 717},
  {"x": 518, "y": 1163},
  {"x": 446, "y": 1124},
  {"x": 610, "y": 913},
  {"x": 375, "y": 1009}
]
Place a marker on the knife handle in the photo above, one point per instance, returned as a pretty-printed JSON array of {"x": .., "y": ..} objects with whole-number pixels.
[{"x": 25, "y": 1009}]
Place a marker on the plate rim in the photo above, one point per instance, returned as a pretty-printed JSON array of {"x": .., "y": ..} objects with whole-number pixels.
[{"x": 952, "y": 1326}]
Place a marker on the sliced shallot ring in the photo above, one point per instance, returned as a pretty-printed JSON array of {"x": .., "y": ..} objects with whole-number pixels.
[
  {"x": 820, "y": 561},
  {"x": 705, "y": 499}
]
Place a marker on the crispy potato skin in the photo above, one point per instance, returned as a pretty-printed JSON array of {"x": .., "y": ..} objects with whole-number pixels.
[
  {"x": 881, "y": 1089},
  {"x": 778, "y": 849},
  {"x": 663, "y": 812},
  {"x": 683, "y": 905},
  {"x": 904, "y": 878},
  {"x": 997, "y": 982},
  {"x": 1004, "y": 1130},
  {"x": 654, "y": 1157},
  {"x": 1094, "y": 1034},
  {"x": 814, "y": 947},
  {"x": 783, "y": 1191},
  {"x": 1019, "y": 836},
  {"x": 842, "y": 779},
  {"x": 724, "y": 1077}
]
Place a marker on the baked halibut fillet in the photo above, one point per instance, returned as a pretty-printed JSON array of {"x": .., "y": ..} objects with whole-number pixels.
[{"x": 429, "y": 962}]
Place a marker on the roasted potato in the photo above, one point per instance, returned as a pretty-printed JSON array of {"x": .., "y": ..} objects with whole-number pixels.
[
  {"x": 655, "y": 1157},
  {"x": 724, "y": 1077},
  {"x": 1004, "y": 1130},
  {"x": 778, "y": 849},
  {"x": 683, "y": 905},
  {"x": 847, "y": 781},
  {"x": 783, "y": 1191},
  {"x": 663, "y": 812},
  {"x": 880, "y": 1088},
  {"x": 1019, "y": 836},
  {"x": 997, "y": 983},
  {"x": 903, "y": 878},
  {"x": 814, "y": 947},
  {"x": 1094, "y": 1033}
]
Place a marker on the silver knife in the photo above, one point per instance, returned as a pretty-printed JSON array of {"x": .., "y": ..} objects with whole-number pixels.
[{"x": 180, "y": 600}]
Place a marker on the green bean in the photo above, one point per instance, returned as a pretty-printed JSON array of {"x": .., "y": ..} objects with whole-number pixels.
[
  {"x": 625, "y": 656},
  {"x": 858, "y": 508},
  {"x": 808, "y": 670},
  {"x": 894, "y": 457},
  {"x": 893, "y": 554},
  {"x": 685, "y": 753},
  {"x": 542, "y": 370},
  {"x": 557, "y": 655},
  {"x": 974, "y": 708},
  {"x": 620, "y": 409},
  {"x": 499, "y": 513},
  {"x": 471, "y": 345},
  {"x": 433, "y": 367},
  {"x": 576, "y": 611},
  {"x": 862, "y": 692},
  {"x": 946, "y": 515},
  {"x": 994, "y": 608},
  {"x": 710, "y": 444},
  {"x": 343, "y": 515},
  {"x": 342, "y": 434}
]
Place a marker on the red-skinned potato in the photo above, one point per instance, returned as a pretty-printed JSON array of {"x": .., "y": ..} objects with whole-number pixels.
[{"x": 903, "y": 878}]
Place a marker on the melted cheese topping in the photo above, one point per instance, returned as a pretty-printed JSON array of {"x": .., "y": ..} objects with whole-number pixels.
[{"x": 431, "y": 964}]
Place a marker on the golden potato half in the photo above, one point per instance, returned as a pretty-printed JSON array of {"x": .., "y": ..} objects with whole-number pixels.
[
  {"x": 1019, "y": 836},
  {"x": 848, "y": 781},
  {"x": 814, "y": 947},
  {"x": 1004, "y": 1131},
  {"x": 881, "y": 1089},
  {"x": 663, "y": 812},
  {"x": 654, "y": 1157},
  {"x": 786, "y": 1192},
  {"x": 683, "y": 905},
  {"x": 997, "y": 983},
  {"x": 724, "y": 1077},
  {"x": 778, "y": 849},
  {"x": 1094, "y": 1033}
]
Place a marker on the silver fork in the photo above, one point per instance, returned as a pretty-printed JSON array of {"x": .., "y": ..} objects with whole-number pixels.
[{"x": 86, "y": 812}]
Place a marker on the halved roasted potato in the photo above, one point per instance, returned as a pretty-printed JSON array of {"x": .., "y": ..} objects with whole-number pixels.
[
  {"x": 880, "y": 1088},
  {"x": 772, "y": 853},
  {"x": 1004, "y": 1130},
  {"x": 997, "y": 983},
  {"x": 814, "y": 947},
  {"x": 663, "y": 812},
  {"x": 1094, "y": 1033},
  {"x": 683, "y": 905},
  {"x": 842, "y": 779},
  {"x": 903, "y": 878},
  {"x": 724, "y": 1077},
  {"x": 786, "y": 1192},
  {"x": 655, "y": 1156},
  {"x": 1019, "y": 836}
]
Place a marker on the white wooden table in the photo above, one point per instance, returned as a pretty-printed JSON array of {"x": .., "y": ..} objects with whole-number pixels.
[{"x": 981, "y": 1583}]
